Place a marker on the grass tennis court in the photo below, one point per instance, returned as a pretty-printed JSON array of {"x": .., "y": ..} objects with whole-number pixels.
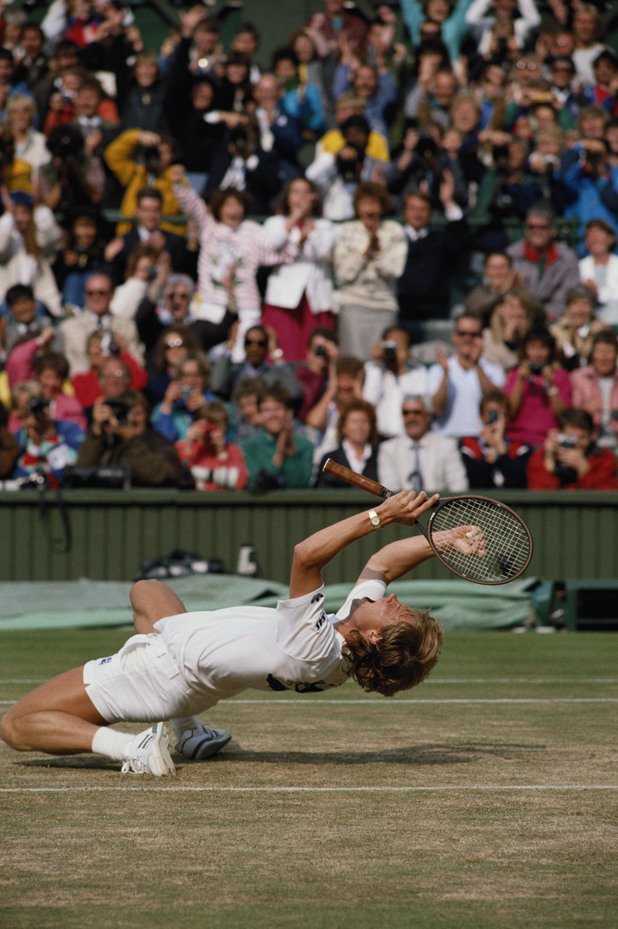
[{"x": 484, "y": 799}]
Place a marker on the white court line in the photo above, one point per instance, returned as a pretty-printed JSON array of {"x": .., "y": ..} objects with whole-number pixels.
[
  {"x": 500, "y": 788},
  {"x": 292, "y": 702},
  {"x": 438, "y": 680}
]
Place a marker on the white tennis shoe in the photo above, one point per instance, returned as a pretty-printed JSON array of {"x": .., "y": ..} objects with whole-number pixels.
[
  {"x": 200, "y": 743},
  {"x": 149, "y": 753}
]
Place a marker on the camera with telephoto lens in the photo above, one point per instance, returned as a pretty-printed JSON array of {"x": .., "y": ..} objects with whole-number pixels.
[
  {"x": 567, "y": 441},
  {"x": 389, "y": 350},
  {"x": 492, "y": 417},
  {"x": 151, "y": 158},
  {"x": 536, "y": 368},
  {"x": 321, "y": 352}
]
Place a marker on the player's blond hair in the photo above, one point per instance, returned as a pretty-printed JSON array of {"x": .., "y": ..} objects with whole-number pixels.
[{"x": 402, "y": 657}]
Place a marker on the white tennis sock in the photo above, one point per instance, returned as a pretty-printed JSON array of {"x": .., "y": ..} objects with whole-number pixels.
[
  {"x": 112, "y": 743},
  {"x": 183, "y": 723}
]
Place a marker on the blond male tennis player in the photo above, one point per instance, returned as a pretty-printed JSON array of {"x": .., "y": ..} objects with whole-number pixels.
[{"x": 180, "y": 663}]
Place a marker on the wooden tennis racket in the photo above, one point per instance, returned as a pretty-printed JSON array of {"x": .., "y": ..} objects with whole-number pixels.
[{"x": 507, "y": 547}]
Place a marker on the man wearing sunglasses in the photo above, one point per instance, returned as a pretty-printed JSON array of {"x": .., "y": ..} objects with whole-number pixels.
[
  {"x": 457, "y": 384},
  {"x": 263, "y": 360},
  {"x": 97, "y": 316},
  {"x": 547, "y": 269}
]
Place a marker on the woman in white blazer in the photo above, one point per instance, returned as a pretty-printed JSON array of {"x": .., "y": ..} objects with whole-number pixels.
[
  {"x": 599, "y": 269},
  {"x": 299, "y": 295}
]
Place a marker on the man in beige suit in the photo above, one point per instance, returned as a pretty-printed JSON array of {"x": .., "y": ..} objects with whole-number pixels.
[
  {"x": 96, "y": 315},
  {"x": 421, "y": 458}
]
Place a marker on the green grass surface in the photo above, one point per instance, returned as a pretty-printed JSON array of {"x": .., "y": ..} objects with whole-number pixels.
[{"x": 477, "y": 801}]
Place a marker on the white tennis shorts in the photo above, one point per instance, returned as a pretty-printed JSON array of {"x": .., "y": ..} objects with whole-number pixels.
[{"x": 140, "y": 683}]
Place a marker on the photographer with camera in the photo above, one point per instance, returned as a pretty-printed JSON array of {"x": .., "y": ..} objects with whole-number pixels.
[
  {"x": 122, "y": 436},
  {"x": 185, "y": 398},
  {"x": 74, "y": 178},
  {"x": 215, "y": 463},
  {"x": 46, "y": 445},
  {"x": 539, "y": 389},
  {"x": 96, "y": 315},
  {"x": 594, "y": 185},
  {"x": 144, "y": 159},
  {"x": 490, "y": 459},
  {"x": 569, "y": 458},
  {"x": 390, "y": 375}
]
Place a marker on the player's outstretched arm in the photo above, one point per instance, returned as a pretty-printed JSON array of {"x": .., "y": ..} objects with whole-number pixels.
[{"x": 312, "y": 554}]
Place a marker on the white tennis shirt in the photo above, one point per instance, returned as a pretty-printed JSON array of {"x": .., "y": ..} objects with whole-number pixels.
[{"x": 294, "y": 646}]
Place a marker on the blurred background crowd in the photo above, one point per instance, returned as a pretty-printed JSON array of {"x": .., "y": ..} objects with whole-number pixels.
[{"x": 390, "y": 241}]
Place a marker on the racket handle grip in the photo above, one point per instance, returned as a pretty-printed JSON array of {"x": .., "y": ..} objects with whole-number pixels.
[{"x": 358, "y": 480}]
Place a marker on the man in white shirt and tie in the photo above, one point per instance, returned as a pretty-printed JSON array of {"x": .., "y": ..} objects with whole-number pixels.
[{"x": 421, "y": 458}]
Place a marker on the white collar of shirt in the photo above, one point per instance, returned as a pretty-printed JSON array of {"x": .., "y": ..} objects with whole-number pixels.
[
  {"x": 416, "y": 234},
  {"x": 356, "y": 462}
]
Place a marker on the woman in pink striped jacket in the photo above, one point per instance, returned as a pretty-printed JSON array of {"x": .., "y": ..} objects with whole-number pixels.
[{"x": 232, "y": 249}]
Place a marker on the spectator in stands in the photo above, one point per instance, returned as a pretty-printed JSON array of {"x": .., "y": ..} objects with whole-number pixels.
[
  {"x": 114, "y": 48},
  {"x": 174, "y": 344},
  {"x": 246, "y": 400},
  {"x": 420, "y": 459},
  {"x": 335, "y": 24},
  {"x": 24, "y": 323},
  {"x": 575, "y": 330},
  {"x": 511, "y": 319},
  {"x": 377, "y": 89},
  {"x": 539, "y": 390},
  {"x": 100, "y": 348},
  {"x": 457, "y": 384},
  {"x": 46, "y": 445},
  {"x": 51, "y": 370},
  {"x": 148, "y": 229},
  {"x": 322, "y": 420},
  {"x": 73, "y": 179},
  {"x": 594, "y": 183},
  {"x": 299, "y": 295},
  {"x": 368, "y": 259},
  {"x": 144, "y": 104},
  {"x": 99, "y": 292},
  {"x": 547, "y": 268},
  {"x": 423, "y": 288},
  {"x": 599, "y": 269},
  {"x": 279, "y": 132},
  {"x": 586, "y": 28},
  {"x": 595, "y": 389},
  {"x": 9, "y": 449},
  {"x": 185, "y": 398},
  {"x": 318, "y": 368},
  {"x": 277, "y": 457},
  {"x": 449, "y": 17},
  {"x": 301, "y": 99},
  {"x": 29, "y": 239},
  {"x": 82, "y": 253},
  {"x": 262, "y": 359},
  {"x": 215, "y": 463},
  {"x": 498, "y": 279},
  {"x": 358, "y": 445},
  {"x": 121, "y": 435},
  {"x": 232, "y": 248},
  {"x": 33, "y": 69},
  {"x": 144, "y": 159},
  {"x": 30, "y": 145},
  {"x": 337, "y": 174},
  {"x": 569, "y": 458},
  {"x": 490, "y": 459},
  {"x": 390, "y": 375},
  {"x": 246, "y": 42}
]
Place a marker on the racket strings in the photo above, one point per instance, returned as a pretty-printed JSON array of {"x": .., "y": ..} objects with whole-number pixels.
[{"x": 507, "y": 542}]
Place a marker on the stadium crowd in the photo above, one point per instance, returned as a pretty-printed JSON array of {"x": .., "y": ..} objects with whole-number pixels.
[{"x": 392, "y": 244}]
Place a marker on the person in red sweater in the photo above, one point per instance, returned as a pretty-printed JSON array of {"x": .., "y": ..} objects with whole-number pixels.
[
  {"x": 215, "y": 463},
  {"x": 570, "y": 460},
  {"x": 100, "y": 346}
]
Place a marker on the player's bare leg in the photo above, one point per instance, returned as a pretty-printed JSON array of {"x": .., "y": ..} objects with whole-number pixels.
[
  {"x": 58, "y": 718},
  {"x": 153, "y": 600}
]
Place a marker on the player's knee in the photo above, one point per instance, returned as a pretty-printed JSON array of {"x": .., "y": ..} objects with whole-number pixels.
[{"x": 9, "y": 732}]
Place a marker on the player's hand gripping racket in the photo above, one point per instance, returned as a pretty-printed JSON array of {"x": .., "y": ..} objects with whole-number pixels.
[{"x": 500, "y": 544}]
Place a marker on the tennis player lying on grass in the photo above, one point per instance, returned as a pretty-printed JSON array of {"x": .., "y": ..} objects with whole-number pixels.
[{"x": 180, "y": 663}]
